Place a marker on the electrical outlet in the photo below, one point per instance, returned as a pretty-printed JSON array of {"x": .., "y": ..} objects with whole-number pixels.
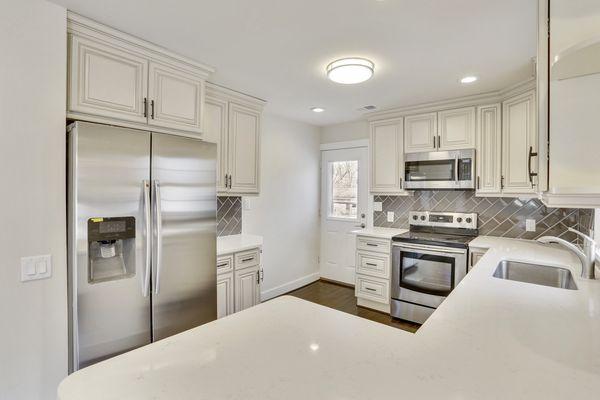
[
  {"x": 377, "y": 206},
  {"x": 390, "y": 216},
  {"x": 530, "y": 225},
  {"x": 246, "y": 205}
]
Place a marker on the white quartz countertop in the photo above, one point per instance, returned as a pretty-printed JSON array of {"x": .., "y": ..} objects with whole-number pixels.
[
  {"x": 234, "y": 243},
  {"x": 490, "y": 339},
  {"x": 380, "y": 232}
]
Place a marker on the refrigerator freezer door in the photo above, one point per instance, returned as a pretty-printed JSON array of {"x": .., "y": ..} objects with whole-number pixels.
[
  {"x": 184, "y": 291},
  {"x": 108, "y": 170}
]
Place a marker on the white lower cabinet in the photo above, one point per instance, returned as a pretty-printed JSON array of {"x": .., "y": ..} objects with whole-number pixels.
[
  {"x": 373, "y": 273},
  {"x": 239, "y": 276}
]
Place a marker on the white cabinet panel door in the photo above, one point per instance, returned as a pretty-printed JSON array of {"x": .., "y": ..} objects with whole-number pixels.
[
  {"x": 106, "y": 81},
  {"x": 456, "y": 129},
  {"x": 224, "y": 295},
  {"x": 244, "y": 149},
  {"x": 215, "y": 131},
  {"x": 518, "y": 137},
  {"x": 247, "y": 288},
  {"x": 176, "y": 98},
  {"x": 386, "y": 150},
  {"x": 420, "y": 132},
  {"x": 489, "y": 149}
]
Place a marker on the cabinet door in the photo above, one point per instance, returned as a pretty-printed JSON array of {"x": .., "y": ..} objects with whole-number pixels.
[
  {"x": 224, "y": 295},
  {"x": 456, "y": 129},
  {"x": 175, "y": 98},
  {"x": 247, "y": 292},
  {"x": 518, "y": 136},
  {"x": 105, "y": 81},
  {"x": 420, "y": 132},
  {"x": 386, "y": 150},
  {"x": 244, "y": 149},
  {"x": 215, "y": 131},
  {"x": 489, "y": 149}
]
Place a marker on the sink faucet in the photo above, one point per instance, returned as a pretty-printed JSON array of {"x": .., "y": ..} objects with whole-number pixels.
[{"x": 587, "y": 256}]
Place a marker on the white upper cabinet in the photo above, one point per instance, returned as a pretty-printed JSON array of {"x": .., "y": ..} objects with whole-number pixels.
[
  {"x": 233, "y": 121},
  {"x": 456, "y": 129},
  {"x": 519, "y": 149},
  {"x": 215, "y": 130},
  {"x": 386, "y": 156},
  {"x": 176, "y": 98},
  {"x": 420, "y": 132},
  {"x": 489, "y": 149},
  {"x": 244, "y": 149},
  {"x": 119, "y": 79},
  {"x": 106, "y": 81}
]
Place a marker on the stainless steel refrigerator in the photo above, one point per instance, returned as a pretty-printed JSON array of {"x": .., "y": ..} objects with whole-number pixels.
[{"x": 142, "y": 238}]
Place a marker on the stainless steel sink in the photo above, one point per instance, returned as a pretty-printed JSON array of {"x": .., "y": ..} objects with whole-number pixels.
[{"x": 535, "y": 273}]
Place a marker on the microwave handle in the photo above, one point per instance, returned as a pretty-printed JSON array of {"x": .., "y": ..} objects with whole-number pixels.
[{"x": 456, "y": 169}]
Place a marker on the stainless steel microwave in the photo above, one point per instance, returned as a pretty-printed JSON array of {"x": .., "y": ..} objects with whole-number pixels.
[{"x": 440, "y": 170}]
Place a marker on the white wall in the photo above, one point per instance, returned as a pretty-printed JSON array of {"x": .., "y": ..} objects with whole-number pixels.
[
  {"x": 33, "y": 337},
  {"x": 344, "y": 132},
  {"x": 286, "y": 213}
]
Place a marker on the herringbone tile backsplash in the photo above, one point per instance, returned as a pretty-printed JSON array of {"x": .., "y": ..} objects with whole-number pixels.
[
  {"x": 498, "y": 216},
  {"x": 229, "y": 215}
]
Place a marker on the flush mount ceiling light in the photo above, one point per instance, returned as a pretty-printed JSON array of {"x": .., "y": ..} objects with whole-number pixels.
[
  {"x": 468, "y": 79},
  {"x": 350, "y": 70},
  {"x": 317, "y": 109}
]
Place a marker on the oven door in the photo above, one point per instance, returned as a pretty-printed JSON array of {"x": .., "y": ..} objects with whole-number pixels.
[
  {"x": 440, "y": 170},
  {"x": 423, "y": 274}
]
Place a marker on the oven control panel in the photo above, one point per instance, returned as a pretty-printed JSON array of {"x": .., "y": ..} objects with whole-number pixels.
[{"x": 445, "y": 219}]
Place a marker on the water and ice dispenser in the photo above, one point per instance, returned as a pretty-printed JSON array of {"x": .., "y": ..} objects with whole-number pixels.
[{"x": 111, "y": 248}]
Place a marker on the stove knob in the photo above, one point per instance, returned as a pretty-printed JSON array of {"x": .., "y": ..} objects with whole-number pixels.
[
  {"x": 415, "y": 217},
  {"x": 422, "y": 218},
  {"x": 459, "y": 220},
  {"x": 469, "y": 220}
]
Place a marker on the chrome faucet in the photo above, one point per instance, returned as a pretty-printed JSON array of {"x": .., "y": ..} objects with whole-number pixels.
[{"x": 587, "y": 256}]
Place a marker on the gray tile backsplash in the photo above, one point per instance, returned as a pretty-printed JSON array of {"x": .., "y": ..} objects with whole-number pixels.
[
  {"x": 498, "y": 216},
  {"x": 229, "y": 215}
]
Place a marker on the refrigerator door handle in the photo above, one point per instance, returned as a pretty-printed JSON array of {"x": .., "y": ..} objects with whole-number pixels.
[
  {"x": 147, "y": 217},
  {"x": 158, "y": 234}
]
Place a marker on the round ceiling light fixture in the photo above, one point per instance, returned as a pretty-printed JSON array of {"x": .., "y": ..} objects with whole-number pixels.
[
  {"x": 349, "y": 71},
  {"x": 317, "y": 109},
  {"x": 468, "y": 79}
]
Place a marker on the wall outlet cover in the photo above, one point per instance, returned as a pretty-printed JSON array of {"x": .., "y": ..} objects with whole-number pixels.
[
  {"x": 246, "y": 205},
  {"x": 530, "y": 225},
  {"x": 390, "y": 216},
  {"x": 377, "y": 206}
]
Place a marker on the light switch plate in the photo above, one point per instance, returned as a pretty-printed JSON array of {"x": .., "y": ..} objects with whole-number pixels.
[
  {"x": 530, "y": 225},
  {"x": 377, "y": 206},
  {"x": 390, "y": 216},
  {"x": 246, "y": 204},
  {"x": 36, "y": 267}
]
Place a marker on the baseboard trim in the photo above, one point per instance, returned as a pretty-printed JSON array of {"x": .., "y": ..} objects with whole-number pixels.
[
  {"x": 288, "y": 287},
  {"x": 333, "y": 281}
]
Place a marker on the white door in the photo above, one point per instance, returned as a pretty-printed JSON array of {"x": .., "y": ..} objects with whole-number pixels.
[
  {"x": 247, "y": 289},
  {"x": 343, "y": 209},
  {"x": 386, "y": 144},
  {"x": 176, "y": 98},
  {"x": 244, "y": 149},
  {"x": 420, "y": 133},
  {"x": 456, "y": 129},
  {"x": 215, "y": 131}
]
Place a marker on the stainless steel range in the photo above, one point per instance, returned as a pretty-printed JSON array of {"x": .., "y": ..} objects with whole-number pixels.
[{"x": 429, "y": 261}]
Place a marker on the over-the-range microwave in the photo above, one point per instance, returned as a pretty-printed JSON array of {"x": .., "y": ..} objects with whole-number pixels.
[{"x": 440, "y": 170}]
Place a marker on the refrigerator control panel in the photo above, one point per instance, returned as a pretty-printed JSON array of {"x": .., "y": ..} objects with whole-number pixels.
[{"x": 111, "y": 228}]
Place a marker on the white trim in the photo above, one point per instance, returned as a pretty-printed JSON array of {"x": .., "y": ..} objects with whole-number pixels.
[
  {"x": 288, "y": 287},
  {"x": 350, "y": 144}
]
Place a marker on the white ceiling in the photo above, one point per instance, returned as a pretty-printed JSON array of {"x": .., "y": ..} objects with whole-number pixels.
[{"x": 278, "y": 49}]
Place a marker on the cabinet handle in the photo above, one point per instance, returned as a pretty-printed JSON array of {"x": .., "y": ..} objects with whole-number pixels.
[
  {"x": 371, "y": 289},
  {"x": 478, "y": 187},
  {"x": 371, "y": 264},
  {"x": 372, "y": 244},
  {"x": 222, "y": 265},
  {"x": 531, "y": 174},
  {"x": 262, "y": 275},
  {"x": 434, "y": 141},
  {"x": 401, "y": 184},
  {"x": 257, "y": 277},
  {"x": 247, "y": 259},
  {"x": 152, "y": 109},
  {"x": 145, "y": 107},
  {"x": 439, "y": 141}
]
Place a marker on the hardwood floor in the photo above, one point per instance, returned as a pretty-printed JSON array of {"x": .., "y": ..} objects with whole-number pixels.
[{"x": 342, "y": 298}]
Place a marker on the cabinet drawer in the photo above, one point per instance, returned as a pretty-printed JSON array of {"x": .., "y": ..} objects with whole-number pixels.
[
  {"x": 247, "y": 259},
  {"x": 374, "y": 264},
  {"x": 374, "y": 289},
  {"x": 225, "y": 264},
  {"x": 372, "y": 244}
]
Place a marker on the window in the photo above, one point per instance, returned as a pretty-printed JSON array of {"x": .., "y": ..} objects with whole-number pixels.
[{"x": 344, "y": 189}]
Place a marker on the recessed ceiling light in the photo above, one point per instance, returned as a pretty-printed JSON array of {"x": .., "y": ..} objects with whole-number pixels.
[
  {"x": 317, "y": 109},
  {"x": 468, "y": 79},
  {"x": 350, "y": 70}
]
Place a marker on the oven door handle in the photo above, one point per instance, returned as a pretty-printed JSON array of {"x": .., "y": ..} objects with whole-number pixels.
[{"x": 435, "y": 249}]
